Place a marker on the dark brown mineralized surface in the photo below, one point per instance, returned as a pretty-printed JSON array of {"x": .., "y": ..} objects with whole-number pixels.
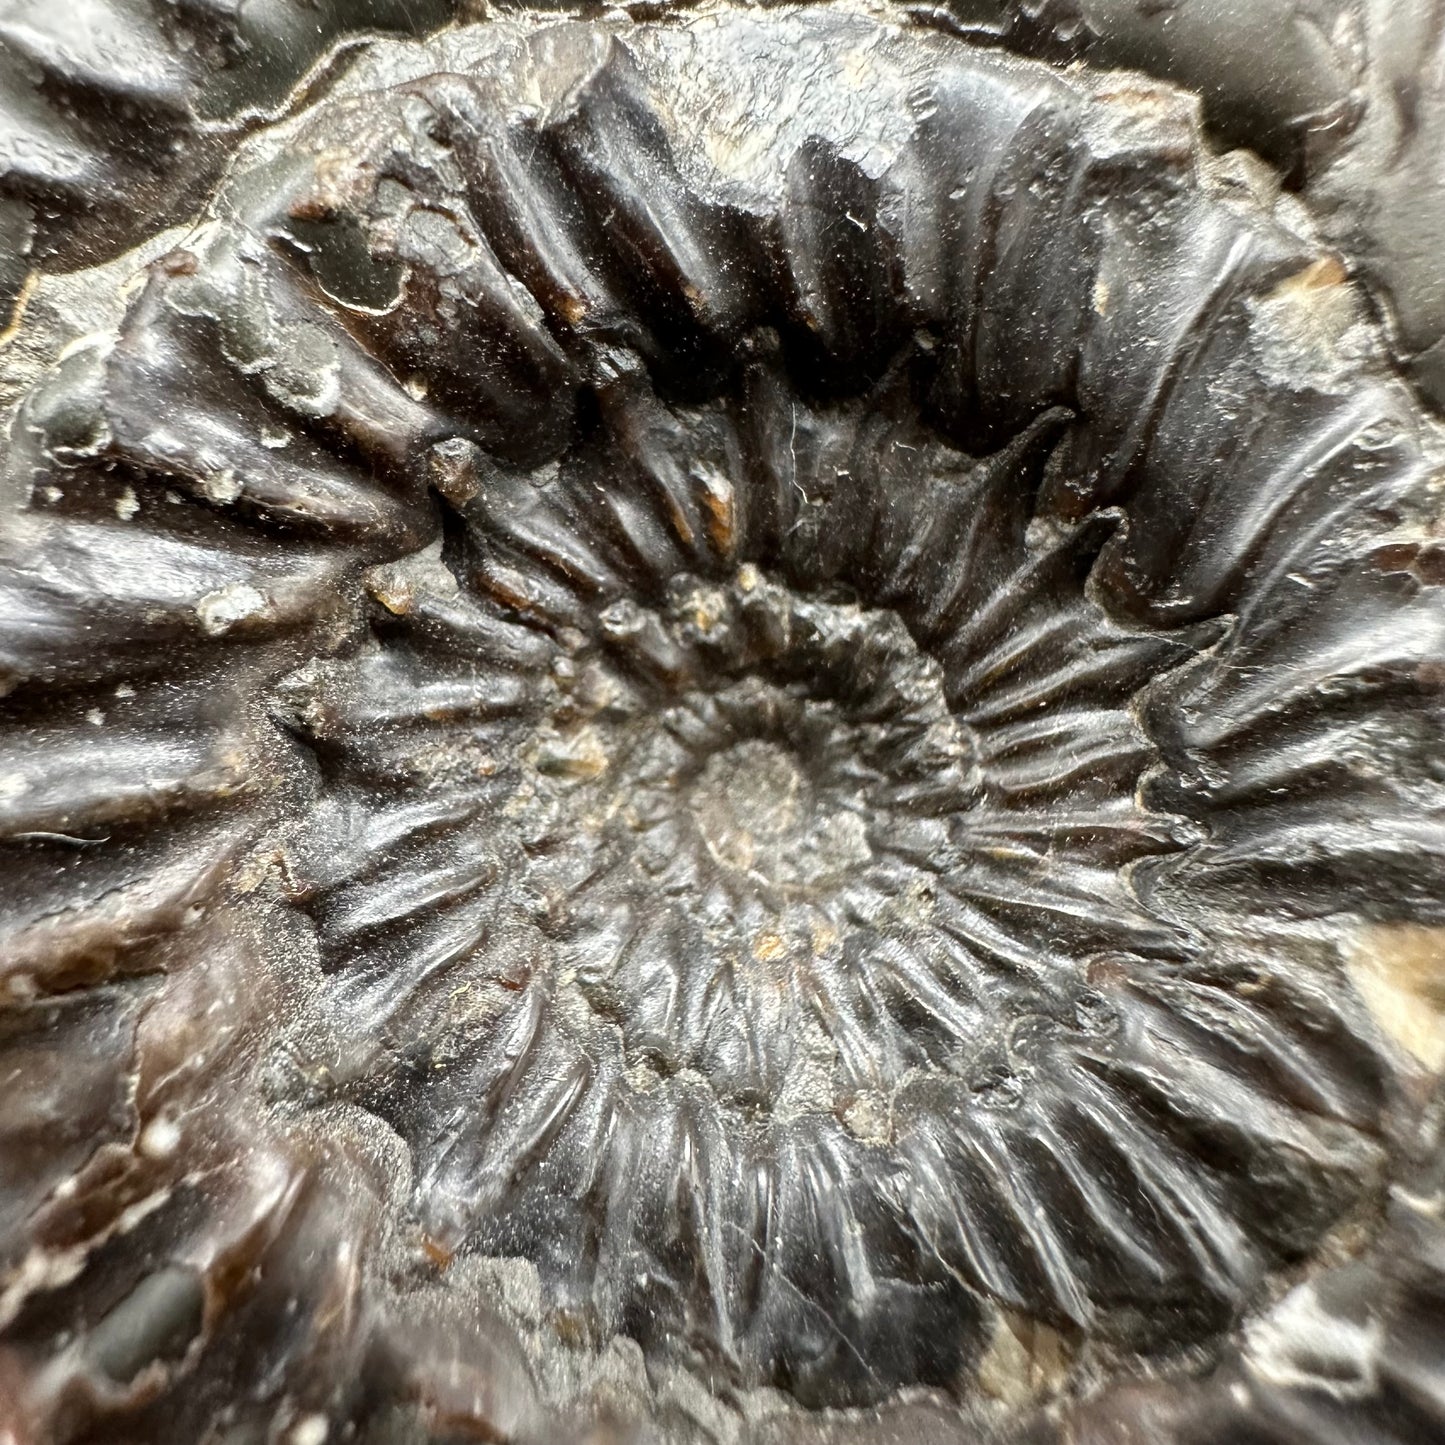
[
  {"x": 723, "y": 727},
  {"x": 116, "y": 114},
  {"x": 1342, "y": 96}
]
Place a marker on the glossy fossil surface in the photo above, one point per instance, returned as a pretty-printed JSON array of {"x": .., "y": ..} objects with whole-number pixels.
[
  {"x": 116, "y": 115},
  {"x": 1341, "y": 96},
  {"x": 709, "y": 723}
]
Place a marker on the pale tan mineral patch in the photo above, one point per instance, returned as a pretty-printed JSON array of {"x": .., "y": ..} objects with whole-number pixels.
[{"x": 1399, "y": 969}]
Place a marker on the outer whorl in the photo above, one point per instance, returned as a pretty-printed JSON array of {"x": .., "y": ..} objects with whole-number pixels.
[{"x": 731, "y": 728}]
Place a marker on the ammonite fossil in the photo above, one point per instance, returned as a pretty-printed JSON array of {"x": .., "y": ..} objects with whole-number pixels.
[{"x": 721, "y": 726}]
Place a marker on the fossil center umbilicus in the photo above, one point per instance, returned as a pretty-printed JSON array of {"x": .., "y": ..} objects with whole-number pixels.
[{"x": 761, "y": 767}]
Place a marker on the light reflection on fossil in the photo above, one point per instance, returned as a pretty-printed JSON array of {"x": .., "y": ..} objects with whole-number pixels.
[{"x": 771, "y": 736}]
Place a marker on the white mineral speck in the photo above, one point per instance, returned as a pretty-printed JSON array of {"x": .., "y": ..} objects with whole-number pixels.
[
  {"x": 159, "y": 1138},
  {"x": 222, "y": 486},
  {"x": 309, "y": 1430},
  {"x": 220, "y": 610}
]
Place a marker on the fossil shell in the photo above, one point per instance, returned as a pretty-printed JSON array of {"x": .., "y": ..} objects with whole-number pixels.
[
  {"x": 114, "y": 112},
  {"x": 728, "y": 727},
  {"x": 1341, "y": 95}
]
